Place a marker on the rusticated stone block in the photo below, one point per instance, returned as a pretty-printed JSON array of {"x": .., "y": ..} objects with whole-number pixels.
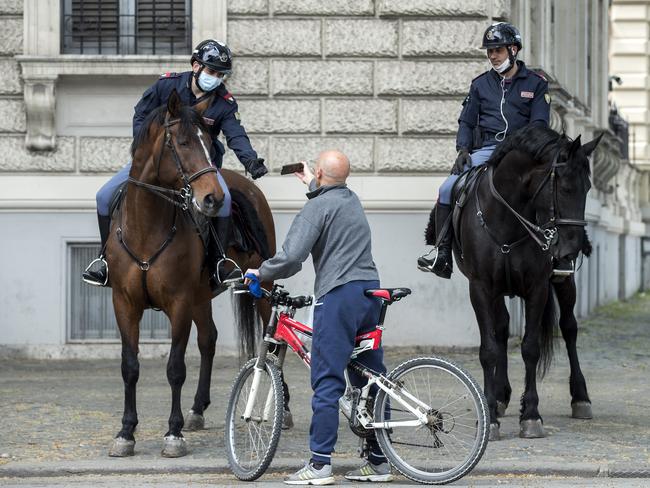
[
  {"x": 378, "y": 116},
  {"x": 104, "y": 154},
  {"x": 11, "y": 7},
  {"x": 426, "y": 77},
  {"x": 322, "y": 77},
  {"x": 12, "y": 116},
  {"x": 16, "y": 158},
  {"x": 286, "y": 116},
  {"x": 320, "y": 7},
  {"x": 248, "y": 7},
  {"x": 261, "y": 146},
  {"x": 433, "y": 8},
  {"x": 11, "y": 84},
  {"x": 415, "y": 154},
  {"x": 275, "y": 37},
  {"x": 430, "y": 116},
  {"x": 11, "y": 36},
  {"x": 287, "y": 150},
  {"x": 501, "y": 10},
  {"x": 442, "y": 38},
  {"x": 250, "y": 77},
  {"x": 360, "y": 37}
]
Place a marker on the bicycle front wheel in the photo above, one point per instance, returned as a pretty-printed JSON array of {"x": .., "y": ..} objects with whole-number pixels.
[
  {"x": 455, "y": 436},
  {"x": 251, "y": 442}
]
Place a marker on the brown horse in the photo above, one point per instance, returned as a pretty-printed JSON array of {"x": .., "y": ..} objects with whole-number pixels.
[{"x": 157, "y": 258}]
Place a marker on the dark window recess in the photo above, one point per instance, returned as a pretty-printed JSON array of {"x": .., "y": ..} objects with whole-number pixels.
[{"x": 126, "y": 27}]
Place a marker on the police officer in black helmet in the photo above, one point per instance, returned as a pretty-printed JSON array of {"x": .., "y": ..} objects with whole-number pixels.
[
  {"x": 211, "y": 65},
  {"x": 503, "y": 99}
]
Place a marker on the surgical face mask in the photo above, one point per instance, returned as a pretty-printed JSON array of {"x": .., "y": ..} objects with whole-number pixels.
[
  {"x": 503, "y": 67},
  {"x": 208, "y": 83}
]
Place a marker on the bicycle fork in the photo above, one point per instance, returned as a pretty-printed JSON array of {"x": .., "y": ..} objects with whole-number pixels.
[{"x": 258, "y": 371}]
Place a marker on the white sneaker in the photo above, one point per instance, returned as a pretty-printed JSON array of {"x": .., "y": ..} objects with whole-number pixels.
[
  {"x": 371, "y": 472},
  {"x": 309, "y": 475}
]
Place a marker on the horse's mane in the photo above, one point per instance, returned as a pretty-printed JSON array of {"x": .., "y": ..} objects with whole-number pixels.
[
  {"x": 188, "y": 119},
  {"x": 540, "y": 143}
]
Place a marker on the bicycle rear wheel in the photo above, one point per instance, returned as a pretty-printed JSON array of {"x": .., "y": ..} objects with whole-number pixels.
[
  {"x": 453, "y": 440},
  {"x": 251, "y": 444}
]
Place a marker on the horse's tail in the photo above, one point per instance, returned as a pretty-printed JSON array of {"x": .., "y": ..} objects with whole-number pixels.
[
  {"x": 248, "y": 323},
  {"x": 549, "y": 320}
]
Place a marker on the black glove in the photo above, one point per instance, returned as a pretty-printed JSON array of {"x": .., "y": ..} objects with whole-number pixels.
[
  {"x": 462, "y": 161},
  {"x": 256, "y": 167}
]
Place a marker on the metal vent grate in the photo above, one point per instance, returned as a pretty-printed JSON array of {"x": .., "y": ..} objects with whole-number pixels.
[{"x": 91, "y": 315}]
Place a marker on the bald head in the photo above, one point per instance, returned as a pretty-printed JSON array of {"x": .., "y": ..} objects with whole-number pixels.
[{"x": 332, "y": 168}]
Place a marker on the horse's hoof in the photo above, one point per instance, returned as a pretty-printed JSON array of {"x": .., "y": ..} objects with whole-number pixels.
[
  {"x": 495, "y": 435},
  {"x": 531, "y": 429},
  {"x": 287, "y": 421},
  {"x": 194, "y": 421},
  {"x": 501, "y": 408},
  {"x": 581, "y": 410},
  {"x": 121, "y": 447},
  {"x": 174, "y": 447}
]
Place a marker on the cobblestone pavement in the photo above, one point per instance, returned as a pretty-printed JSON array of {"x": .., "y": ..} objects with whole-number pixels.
[{"x": 57, "y": 413}]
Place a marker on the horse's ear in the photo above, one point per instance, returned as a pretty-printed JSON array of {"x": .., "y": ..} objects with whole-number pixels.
[
  {"x": 174, "y": 104},
  {"x": 591, "y": 145},
  {"x": 204, "y": 104},
  {"x": 575, "y": 145}
]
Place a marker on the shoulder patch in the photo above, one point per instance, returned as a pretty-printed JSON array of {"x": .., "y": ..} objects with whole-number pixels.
[
  {"x": 482, "y": 74},
  {"x": 228, "y": 97},
  {"x": 169, "y": 74}
]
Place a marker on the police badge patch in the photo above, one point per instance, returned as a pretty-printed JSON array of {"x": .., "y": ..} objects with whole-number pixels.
[{"x": 547, "y": 97}]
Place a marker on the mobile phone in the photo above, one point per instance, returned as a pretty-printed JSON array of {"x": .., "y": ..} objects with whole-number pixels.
[{"x": 289, "y": 169}]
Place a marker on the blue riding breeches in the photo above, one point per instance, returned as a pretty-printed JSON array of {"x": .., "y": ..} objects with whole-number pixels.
[
  {"x": 106, "y": 192},
  {"x": 479, "y": 157}
]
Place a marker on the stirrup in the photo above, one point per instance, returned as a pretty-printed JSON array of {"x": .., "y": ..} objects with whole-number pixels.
[
  {"x": 563, "y": 273},
  {"x": 236, "y": 268},
  {"x": 100, "y": 259},
  {"x": 429, "y": 268}
]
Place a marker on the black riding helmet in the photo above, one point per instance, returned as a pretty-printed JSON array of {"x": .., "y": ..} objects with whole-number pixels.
[
  {"x": 213, "y": 54},
  {"x": 501, "y": 34}
]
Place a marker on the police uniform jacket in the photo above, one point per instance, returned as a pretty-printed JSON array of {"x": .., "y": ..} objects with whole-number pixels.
[
  {"x": 221, "y": 116},
  {"x": 526, "y": 101}
]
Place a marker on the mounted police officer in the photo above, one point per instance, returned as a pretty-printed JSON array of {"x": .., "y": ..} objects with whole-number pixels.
[
  {"x": 211, "y": 65},
  {"x": 500, "y": 101}
]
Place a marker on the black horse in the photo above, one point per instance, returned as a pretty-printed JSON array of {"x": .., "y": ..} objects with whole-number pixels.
[{"x": 525, "y": 213}]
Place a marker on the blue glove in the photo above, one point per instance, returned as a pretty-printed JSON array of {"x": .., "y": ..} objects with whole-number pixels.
[{"x": 254, "y": 286}]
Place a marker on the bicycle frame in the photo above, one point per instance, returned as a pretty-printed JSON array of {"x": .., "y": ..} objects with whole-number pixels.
[{"x": 281, "y": 331}]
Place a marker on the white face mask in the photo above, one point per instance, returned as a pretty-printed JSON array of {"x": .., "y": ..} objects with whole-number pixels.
[
  {"x": 503, "y": 67},
  {"x": 208, "y": 83}
]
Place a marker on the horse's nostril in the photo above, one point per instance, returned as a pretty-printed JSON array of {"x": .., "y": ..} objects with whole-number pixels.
[{"x": 209, "y": 201}]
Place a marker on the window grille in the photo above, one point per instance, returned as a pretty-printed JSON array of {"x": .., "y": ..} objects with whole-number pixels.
[
  {"x": 91, "y": 316},
  {"x": 126, "y": 27}
]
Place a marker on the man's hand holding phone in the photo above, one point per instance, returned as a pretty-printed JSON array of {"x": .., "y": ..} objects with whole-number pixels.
[{"x": 301, "y": 170}]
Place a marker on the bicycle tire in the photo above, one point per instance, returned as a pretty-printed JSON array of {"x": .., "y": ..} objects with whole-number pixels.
[
  {"x": 476, "y": 402},
  {"x": 235, "y": 432}
]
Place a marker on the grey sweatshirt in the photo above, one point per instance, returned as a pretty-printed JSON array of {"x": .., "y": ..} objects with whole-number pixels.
[{"x": 333, "y": 228}]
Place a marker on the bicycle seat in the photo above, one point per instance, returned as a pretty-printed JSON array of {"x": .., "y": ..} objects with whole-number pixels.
[{"x": 389, "y": 295}]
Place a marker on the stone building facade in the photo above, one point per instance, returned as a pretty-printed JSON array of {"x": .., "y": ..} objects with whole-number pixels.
[{"x": 380, "y": 79}]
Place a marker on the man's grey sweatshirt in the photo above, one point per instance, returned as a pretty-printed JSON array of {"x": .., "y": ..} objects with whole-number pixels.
[{"x": 333, "y": 228}]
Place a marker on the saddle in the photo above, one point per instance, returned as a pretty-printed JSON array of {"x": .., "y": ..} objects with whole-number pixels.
[{"x": 463, "y": 188}]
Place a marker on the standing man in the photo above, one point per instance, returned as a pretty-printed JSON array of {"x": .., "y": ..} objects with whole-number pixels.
[
  {"x": 503, "y": 99},
  {"x": 333, "y": 228},
  {"x": 211, "y": 65}
]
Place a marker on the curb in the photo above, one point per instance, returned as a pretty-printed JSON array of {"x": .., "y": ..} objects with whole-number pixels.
[{"x": 119, "y": 466}]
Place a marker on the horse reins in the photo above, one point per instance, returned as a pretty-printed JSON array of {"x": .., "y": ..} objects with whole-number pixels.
[
  {"x": 544, "y": 235},
  {"x": 180, "y": 198}
]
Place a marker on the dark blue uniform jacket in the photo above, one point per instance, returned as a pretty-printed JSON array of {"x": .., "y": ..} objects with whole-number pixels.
[
  {"x": 221, "y": 116},
  {"x": 526, "y": 101}
]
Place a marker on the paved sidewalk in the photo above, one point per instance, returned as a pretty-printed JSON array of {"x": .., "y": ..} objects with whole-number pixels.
[{"x": 58, "y": 417}]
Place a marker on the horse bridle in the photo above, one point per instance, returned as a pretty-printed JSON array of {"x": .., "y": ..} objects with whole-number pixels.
[
  {"x": 544, "y": 235},
  {"x": 183, "y": 197}
]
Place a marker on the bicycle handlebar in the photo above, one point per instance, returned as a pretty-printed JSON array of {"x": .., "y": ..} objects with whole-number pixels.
[{"x": 277, "y": 296}]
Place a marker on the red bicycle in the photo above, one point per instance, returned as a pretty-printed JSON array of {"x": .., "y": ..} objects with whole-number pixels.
[{"x": 429, "y": 416}]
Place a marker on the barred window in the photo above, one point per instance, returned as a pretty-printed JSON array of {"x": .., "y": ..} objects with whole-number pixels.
[{"x": 126, "y": 26}]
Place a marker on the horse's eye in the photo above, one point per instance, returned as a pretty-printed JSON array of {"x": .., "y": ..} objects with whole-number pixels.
[{"x": 182, "y": 142}]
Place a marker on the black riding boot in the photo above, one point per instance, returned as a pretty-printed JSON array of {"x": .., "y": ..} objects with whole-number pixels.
[
  {"x": 443, "y": 263},
  {"x": 227, "y": 270},
  {"x": 99, "y": 275}
]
